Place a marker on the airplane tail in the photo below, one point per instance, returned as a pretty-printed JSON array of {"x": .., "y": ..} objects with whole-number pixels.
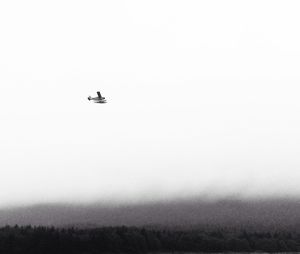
[{"x": 89, "y": 98}]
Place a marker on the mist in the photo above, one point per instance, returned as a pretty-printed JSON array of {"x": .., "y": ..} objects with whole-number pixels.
[
  {"x": 203, "y": 101},
  {"x": 258, "y": 215}
]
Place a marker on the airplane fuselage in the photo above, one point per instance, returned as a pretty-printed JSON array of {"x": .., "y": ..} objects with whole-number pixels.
[{"x": 97, "y": 99}]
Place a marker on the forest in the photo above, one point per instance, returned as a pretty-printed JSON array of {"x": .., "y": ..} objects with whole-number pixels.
[{"x": 40, "y": 239}]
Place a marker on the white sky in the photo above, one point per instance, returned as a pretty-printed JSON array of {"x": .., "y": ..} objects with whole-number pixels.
[{"x": 203, "y": 99}]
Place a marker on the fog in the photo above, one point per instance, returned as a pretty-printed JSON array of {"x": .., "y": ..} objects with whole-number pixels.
[
  {"x": 257, "y": 215},
  {"x": 203, "y": 101}
]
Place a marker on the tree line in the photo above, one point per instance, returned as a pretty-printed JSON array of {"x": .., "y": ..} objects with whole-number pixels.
[{"x": 28, "y": 239}]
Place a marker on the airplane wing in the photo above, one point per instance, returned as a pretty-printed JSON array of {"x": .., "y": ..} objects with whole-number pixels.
[{"x": 99, "y": 94}]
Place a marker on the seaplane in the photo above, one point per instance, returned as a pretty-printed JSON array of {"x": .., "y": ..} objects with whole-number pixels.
[{"x": 98, "y": 99}]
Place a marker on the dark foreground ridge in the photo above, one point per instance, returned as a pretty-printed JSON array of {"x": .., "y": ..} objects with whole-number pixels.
[{"x": 28, "y": 239}]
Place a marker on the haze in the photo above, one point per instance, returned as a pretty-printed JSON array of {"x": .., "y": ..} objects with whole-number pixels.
[{"x": 203, "y": 100}]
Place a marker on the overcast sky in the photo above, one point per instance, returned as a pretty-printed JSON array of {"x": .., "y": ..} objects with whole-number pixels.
[{"x": 203, "y": 100}]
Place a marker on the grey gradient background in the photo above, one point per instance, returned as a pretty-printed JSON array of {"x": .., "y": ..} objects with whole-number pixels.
[{"x": 203, "y": 100}]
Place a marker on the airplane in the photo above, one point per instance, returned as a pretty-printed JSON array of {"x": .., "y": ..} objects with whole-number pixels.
[{"x": 98, "y": 99}]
